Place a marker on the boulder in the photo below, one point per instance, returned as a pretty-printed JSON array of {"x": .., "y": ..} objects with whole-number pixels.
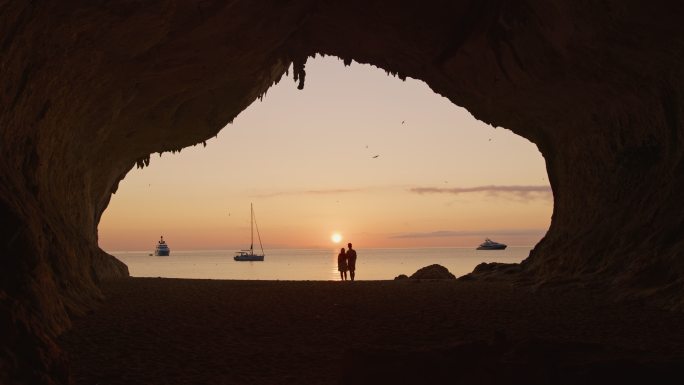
[{"x": 433, "y": 272}]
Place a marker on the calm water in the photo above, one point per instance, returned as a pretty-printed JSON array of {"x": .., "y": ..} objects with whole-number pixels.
[{"x": 311, "y": 264}]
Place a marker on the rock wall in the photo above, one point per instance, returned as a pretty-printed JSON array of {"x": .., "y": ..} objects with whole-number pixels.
[{"x": 91, "y": 89}]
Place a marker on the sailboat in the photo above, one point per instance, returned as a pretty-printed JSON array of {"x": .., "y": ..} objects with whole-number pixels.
[{"x": 248, "y": 255}]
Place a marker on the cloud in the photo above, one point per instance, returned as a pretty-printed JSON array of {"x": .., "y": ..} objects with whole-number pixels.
[
  {"x": 524, "y": 193},
  {"x": 474, "y": 233},
  {"x": 310, "y": 192}
]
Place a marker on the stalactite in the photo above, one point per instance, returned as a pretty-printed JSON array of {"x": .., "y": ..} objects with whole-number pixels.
[
  {"x": 143, "y": 162},
  {"x": 298, "y": 65}
]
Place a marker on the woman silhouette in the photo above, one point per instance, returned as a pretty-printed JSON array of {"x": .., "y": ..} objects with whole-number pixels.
[{"x": 342, "y": 264}]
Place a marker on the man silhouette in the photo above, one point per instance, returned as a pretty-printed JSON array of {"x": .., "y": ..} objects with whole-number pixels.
[{"x": 351, "y": 261}]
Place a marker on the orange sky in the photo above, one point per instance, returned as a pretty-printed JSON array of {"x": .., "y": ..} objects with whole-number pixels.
[{"x": 306, "y": 161}]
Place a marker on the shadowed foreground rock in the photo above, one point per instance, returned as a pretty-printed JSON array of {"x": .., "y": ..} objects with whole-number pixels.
[
  {"x": 535, "y": 362},
  {"x": 495, "y": 271},
  {"x": 91, "y": 89},
  {"x": 433, "y": 272},
  {"x": 370, "y": 332}
]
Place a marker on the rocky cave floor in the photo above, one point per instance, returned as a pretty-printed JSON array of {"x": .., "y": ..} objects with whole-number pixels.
[{"x": 173, "y": 331}]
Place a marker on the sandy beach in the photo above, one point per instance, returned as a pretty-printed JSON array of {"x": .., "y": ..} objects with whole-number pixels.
[{"x": 179, "y": 331}]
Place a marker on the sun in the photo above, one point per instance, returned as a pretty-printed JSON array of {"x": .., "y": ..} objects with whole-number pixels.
[{"x": 336, "y": 237}]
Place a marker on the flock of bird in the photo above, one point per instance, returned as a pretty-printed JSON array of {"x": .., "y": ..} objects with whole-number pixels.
[
  {"x": 378, "y": 155},
  {"x": 402, "y": 122}
]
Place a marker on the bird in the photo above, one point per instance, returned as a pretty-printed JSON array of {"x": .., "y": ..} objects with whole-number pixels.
[
  {"x": 376, "y": 156},
  {"x": 402, "y": 122},
  {"x": 490, "y": 139}
]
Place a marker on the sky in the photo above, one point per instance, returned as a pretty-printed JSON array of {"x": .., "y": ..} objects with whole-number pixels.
[{"x": 380, "y": 161}]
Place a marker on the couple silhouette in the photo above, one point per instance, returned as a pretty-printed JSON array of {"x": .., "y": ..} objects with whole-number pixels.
[{"x": 346, "y": 261}]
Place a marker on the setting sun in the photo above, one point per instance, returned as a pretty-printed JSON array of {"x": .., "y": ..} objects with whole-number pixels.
[{"x": 336, "y": 237}]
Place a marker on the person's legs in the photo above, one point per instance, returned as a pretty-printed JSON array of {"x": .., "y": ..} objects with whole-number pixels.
[
  {"x": 342, "y": 277},
  {"x": 351, "y": 274},
  {"x": 345, "y": 275}
]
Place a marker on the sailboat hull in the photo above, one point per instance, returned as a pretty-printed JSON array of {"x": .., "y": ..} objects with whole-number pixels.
[{"x": 249, "y": 258}]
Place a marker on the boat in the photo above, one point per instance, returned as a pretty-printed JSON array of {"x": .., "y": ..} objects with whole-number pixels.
[
  {"x": 248, "y": 255},
  {"x": 162, "y": 249},
  {"x": 488, "y": 244}
]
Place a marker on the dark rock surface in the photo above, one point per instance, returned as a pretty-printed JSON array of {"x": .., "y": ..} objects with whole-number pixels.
[
  {"x": 371, "y": 332},
  {"x": 534, "y": 362},
  {"x": 91, "y": 89},
  {"x": 400, "y": 277},
  {"x": 494, "y": 270},
  {"x": 433, "y": 272}
]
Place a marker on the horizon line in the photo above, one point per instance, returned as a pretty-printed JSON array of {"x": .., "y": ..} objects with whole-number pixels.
[{"x": 319, "y": 248}]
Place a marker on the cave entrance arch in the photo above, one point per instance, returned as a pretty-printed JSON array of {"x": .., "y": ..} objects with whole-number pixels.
[{"x": 386, "y": 162}]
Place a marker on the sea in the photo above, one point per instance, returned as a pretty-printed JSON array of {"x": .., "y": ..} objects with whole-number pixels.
[{"x": 311, "y": 264}]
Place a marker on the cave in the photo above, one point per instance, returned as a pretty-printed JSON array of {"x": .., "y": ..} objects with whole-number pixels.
[{"x": 90, "y": 90}]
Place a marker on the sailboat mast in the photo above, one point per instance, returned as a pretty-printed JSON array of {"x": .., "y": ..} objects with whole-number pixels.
[{"x": 251, "y": 226}]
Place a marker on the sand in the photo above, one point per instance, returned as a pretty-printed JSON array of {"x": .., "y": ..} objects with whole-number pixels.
[{"x": 176, "y": 331}]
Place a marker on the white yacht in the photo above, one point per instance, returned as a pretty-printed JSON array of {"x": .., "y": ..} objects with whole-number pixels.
[
  {"x": 488, "y": 244},
  {"x": 162, "y": 249}
]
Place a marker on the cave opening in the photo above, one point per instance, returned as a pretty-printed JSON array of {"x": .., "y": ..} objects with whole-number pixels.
[{"x": 388, "y": 164}]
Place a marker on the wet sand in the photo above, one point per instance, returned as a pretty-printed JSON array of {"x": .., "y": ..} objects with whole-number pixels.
[{"x": 175, "y": 331}]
